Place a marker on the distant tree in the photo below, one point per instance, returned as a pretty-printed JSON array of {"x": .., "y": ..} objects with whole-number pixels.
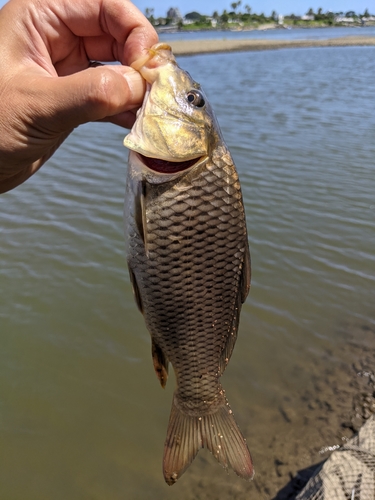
[
  {"x": 366, "y": 13},
  {"x": 215, "y": 15},
  {"x": 234, "y": 5},
  {"x": 248, "y": 8},
  {"x": 319, "y": 16},
  {"x": 350, "y": 13},
  {"x": 193, "y": 16},
  {"x": 310, "y": 12},
  {"x": 330, "y": 17},
  {"x": 274, "y": 15},
  {"x": 149, "y": 12},
  {"x": 224, "y": 16}
]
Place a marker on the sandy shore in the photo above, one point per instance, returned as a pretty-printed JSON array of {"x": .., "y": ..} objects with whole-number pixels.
[
  {"x": 304, "y": 429},
  {"x": 184, "y": 47}
]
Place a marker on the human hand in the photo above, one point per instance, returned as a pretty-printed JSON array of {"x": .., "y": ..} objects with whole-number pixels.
[{"x": 47, "y": 83}]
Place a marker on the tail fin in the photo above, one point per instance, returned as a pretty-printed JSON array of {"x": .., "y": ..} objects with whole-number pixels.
[{"x": 218, "y": 432}]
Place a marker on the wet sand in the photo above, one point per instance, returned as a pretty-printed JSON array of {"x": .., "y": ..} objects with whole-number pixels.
[
  {"x": 306, "y": 427},
  {"x": 185, "y": 47},
  {"x": 342, "y": 401}
]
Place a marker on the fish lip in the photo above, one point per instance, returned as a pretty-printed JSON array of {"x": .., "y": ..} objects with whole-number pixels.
[{"x": 162, "y": 167}]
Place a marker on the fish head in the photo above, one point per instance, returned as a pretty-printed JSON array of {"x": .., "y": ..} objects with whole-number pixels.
[{"x": 174, "y": 127}]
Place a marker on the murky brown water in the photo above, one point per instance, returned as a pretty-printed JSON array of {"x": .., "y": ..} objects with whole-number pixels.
[{"x": 82, "y": 415}]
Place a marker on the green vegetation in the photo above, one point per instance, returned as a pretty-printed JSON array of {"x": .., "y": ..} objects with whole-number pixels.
[{"x": 239, "y": 17}]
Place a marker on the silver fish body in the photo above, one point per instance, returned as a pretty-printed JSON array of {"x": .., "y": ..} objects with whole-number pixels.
[{"x": 189, "y": 264}]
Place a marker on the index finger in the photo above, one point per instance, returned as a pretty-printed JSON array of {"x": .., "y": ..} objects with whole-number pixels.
[{"x": 110, "y": 30}]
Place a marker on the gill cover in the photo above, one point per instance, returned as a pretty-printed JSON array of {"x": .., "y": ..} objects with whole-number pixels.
[{"x": 175, "y": 121}]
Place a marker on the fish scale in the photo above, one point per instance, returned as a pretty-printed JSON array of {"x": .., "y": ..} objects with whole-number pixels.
[{"x": 219, "y": 260}]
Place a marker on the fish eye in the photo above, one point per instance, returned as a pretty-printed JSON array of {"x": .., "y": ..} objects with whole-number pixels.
[{"x": 196, "y": 98}]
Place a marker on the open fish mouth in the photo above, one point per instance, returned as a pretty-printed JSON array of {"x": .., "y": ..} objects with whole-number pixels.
[{"x": 167, "y": 167}]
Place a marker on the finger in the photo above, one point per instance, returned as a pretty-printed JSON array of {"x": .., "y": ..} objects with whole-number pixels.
[
  {"x": 111, "y": 30},
  {"x": 71, "y": 32},
  {"x": 125, "y": 120},
  {"x": 90, "y": 95},
  {"x": 139, "y": 35}
]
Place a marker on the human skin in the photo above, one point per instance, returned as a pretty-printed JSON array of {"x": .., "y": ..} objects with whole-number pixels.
[{"x": 48, "y": 82}]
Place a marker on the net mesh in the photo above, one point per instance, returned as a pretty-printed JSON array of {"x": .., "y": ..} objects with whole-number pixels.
[{"x": 349, "y": 473}]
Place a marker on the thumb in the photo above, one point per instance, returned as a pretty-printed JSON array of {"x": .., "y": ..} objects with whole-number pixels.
[{"x": 93, "y": 94}]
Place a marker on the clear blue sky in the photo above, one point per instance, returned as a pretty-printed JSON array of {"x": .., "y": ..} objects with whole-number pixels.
[{"x": 298, "y": 7}]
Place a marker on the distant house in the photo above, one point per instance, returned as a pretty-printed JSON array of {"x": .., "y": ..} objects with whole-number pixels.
[
  {"x": 342, "y": 19},
  {"x": 307, "y": 18}
]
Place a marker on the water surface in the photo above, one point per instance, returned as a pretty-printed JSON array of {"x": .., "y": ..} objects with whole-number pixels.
[{"x": 82, "y": 414}]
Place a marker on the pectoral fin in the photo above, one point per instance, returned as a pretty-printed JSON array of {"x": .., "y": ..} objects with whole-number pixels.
[
  {"x": 160, "y": 363},
  {"x": 140, "y": 212}
]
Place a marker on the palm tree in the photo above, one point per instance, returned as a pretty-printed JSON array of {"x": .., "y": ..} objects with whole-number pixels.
[
  {"x": 149, "y": 12},
  {"x": 234, "y": 5}
]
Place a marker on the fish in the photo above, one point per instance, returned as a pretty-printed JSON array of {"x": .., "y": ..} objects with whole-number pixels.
[{"x": 188, "y": 258}]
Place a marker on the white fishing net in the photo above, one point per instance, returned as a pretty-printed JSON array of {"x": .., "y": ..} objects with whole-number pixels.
[{"x": 349, "y": 473}]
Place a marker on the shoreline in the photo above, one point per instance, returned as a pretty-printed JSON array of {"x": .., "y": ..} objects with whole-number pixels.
[
  {"x": 307, "y": 425},
  {"x": 194, "y": 47}
]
